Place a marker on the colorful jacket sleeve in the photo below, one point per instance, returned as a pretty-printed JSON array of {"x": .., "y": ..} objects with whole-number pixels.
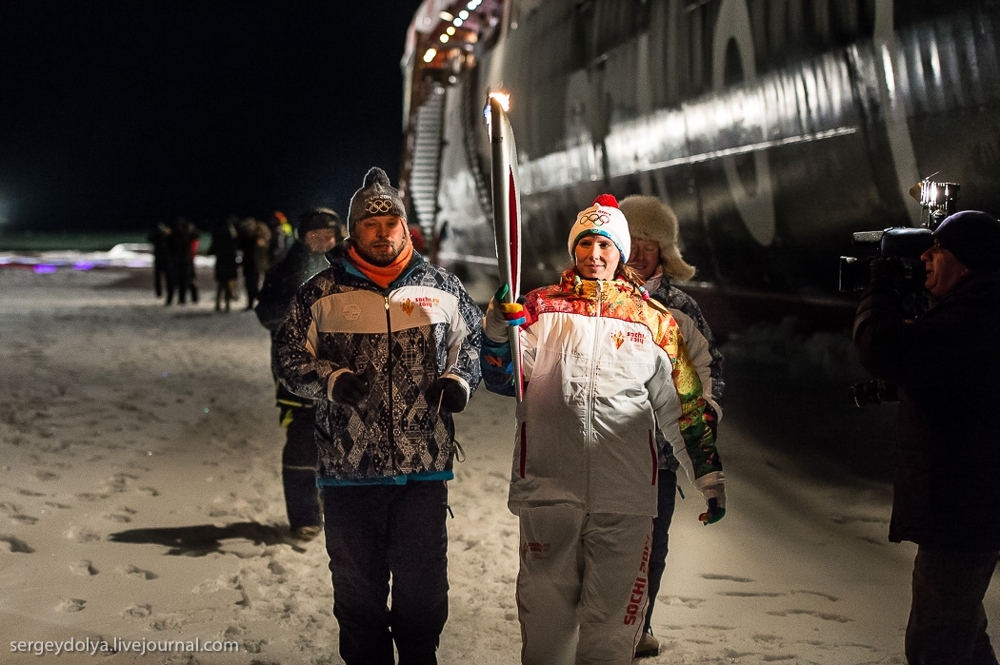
[
  {"x": 497, "y": 358},
  {"x": 700, "y": 341},
  {"x": 683, "y": 421},
  {"x": 497, "y": 363}
]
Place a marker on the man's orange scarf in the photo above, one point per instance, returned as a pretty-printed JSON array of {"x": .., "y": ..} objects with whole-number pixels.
[{"x": 382, "y": 275}]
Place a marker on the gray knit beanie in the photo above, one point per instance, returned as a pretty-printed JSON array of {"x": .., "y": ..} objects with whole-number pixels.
[{"x": 376, "y": 197}]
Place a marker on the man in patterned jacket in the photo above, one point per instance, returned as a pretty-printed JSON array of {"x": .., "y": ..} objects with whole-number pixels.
[{"x": 388, "y": 346}]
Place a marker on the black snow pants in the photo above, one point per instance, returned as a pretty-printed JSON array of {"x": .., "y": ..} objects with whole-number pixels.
[{"x": 375, "y": 531}]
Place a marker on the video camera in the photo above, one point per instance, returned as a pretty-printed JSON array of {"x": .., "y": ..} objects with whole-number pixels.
[{"x": 902, "y": 246}]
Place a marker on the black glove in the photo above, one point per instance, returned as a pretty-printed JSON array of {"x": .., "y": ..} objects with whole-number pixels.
[
  {"x": 450, "y": 393},
  {"x": 349, "y": 389}
]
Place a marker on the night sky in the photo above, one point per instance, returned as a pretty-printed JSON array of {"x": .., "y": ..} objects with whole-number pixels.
[{"x": 118, "y": 114}]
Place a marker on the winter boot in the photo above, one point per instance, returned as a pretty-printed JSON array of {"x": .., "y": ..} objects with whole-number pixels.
[{"x": 648, "y": 645}]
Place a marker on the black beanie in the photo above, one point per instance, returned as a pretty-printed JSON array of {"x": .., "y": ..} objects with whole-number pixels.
[
  {"x": 973, "y": 237},
  {"x": 318, "y": 218},
  {"x": 376, "y": 197}
]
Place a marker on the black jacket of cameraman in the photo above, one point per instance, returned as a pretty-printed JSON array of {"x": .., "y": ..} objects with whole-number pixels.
[{"x": 947, "y": 366}]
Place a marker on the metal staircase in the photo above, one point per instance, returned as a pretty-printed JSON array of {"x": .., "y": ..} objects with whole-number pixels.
[{"x": 425, "y": 175}]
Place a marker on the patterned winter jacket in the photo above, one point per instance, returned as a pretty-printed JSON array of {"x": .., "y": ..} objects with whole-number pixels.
[
  {"x": 599, "y": 362},
  {"x": 399, "y": 341},
  {"x": 704, "y": 352}
]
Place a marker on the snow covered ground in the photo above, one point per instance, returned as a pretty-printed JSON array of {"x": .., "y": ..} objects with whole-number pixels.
[{"x": 140, "y": 504}]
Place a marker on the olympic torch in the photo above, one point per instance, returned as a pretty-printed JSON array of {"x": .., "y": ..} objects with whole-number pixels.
[{"x": 506, "y": 214}]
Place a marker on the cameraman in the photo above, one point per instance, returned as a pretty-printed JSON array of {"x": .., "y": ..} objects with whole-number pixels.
[{"x": 946, "y": 496}]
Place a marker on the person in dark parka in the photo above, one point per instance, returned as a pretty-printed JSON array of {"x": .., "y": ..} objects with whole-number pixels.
[
  {"x": 946, "y": 494},
  {"x": 225, "y": 249},
  {"x": 158, "y": 239},
  {"x": 319, "y": 231},
  {"x": 182, "y": 245},
  {"x": 254, "y": 242}
]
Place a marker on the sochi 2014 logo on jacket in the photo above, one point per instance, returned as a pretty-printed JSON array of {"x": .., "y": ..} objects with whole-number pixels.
[
  {"x": 425, "y": 303},
  {"x": 636, "y": 338}
]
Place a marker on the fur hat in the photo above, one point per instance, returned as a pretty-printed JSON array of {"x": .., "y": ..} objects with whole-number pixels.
[
  {"x": 318, "y": 218},
  {"x": 973, "y": 237},
  {"x": 651, "y": 219},
  {"x": 376, "y": 197},
  {"x": 603, "y": 219}
]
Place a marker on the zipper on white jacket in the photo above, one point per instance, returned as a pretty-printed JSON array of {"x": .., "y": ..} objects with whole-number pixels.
[{"x": 593, "y": 381}]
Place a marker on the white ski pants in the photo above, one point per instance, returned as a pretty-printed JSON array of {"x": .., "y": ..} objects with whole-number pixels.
[{"x": 581, "y": 589}]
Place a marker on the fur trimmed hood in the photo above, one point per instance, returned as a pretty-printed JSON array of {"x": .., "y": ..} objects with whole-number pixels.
[{"x": 651, "y": 219}]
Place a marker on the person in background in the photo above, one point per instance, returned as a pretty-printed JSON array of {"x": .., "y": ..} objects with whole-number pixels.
[
  {"x": 656, "y": 257},
  {"x": 224, "y": 248},
  {"x": 158, "y": 239},
  {"x": 600, "y": 360},
  {"x": 282, "y": 237},
  {"x": 946, "y": 497},
  {"x": 255, "y": 240},
  {"x": 319, "y": 231},
  {"x": 417, "y": 238},
  {"x": 182, "y": 245},
  {"x": 388, "y": 347}
]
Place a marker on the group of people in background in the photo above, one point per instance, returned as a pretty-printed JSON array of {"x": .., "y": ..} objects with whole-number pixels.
[
  {"x": 247, "y": 245},
  {"x": 373, "y": 349}
]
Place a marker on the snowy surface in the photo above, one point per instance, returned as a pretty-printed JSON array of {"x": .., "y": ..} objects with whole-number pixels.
[{"x": 140, "y": 501}]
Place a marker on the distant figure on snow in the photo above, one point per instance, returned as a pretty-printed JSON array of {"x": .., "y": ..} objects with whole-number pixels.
[
  {"x": 225, "y": 249},
  {"x": 158, "y": 239},
  {"x": 282, "y": 237},
  {"x": 182, "y": 245},
  {"x": 255, "y": 240}
]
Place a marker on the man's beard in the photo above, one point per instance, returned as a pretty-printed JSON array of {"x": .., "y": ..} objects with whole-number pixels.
[{"x": 379, "y": 261}]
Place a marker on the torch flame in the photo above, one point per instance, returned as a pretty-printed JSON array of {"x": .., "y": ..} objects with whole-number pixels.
[{"x": 502, "y": 98}]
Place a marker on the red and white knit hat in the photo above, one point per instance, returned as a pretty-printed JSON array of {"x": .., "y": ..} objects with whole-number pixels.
[{"x": 603, "y": 219}]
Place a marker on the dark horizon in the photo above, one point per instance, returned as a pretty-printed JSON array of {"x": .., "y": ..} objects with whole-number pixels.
[{"x": 122, "y": 115}]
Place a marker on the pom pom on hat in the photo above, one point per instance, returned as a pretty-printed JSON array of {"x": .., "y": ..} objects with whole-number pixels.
[
  {"x": 973, "y": 237},
  {"x": 376, "y": 197},
  {"x": 604, "y": 219},
  {"x": 651, "y": 219}
]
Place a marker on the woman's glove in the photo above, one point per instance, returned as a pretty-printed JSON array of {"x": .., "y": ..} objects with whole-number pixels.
[
  {"x": 715, "y": 496},
  {"x": 501, "y": 315}
]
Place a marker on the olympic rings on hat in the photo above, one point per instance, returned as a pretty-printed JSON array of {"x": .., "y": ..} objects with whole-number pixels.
[
  {"x": 596, "y": 218},
  {"x": 379, "y": 206}
]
